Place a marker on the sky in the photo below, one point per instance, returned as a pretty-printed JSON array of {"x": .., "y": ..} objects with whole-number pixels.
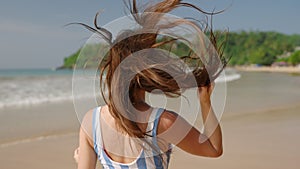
[{"x": 32, "y": 32}]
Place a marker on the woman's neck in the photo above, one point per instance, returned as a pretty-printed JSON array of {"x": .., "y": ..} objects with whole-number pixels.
[
  {"x": 139, "y": 96},
  {"x": 139, "y": 100}
]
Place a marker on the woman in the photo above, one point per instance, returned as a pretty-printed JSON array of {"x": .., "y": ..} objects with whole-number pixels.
[{"x": 129, "y": 133}]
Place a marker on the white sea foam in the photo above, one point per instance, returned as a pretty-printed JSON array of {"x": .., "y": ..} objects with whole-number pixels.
[
  {"x": 228, "y": 78},
  {"x": 32, "y": 90}
]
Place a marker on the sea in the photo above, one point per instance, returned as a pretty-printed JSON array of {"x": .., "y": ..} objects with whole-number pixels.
[
  {"x": 37, "y": 103},
  {"x": 34, "y": 86},
  {"x": 29, "y": 87}
]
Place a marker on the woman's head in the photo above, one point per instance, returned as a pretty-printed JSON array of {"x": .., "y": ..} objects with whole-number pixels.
[{"x": 141, "y": 60}]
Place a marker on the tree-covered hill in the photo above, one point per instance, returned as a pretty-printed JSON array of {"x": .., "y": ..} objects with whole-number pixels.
[
  {"x": 244, "y": 48},
  {"x": 259, "y": 47}
]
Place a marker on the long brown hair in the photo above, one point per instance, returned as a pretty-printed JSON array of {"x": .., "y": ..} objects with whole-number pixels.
[{"x": 146, "y": 76}]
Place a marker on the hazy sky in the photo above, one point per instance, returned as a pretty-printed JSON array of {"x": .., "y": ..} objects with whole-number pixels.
[{"x": 32, "y": 33}]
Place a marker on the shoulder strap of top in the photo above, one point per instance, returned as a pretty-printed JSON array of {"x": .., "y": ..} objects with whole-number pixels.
[
  {"x": 157, "y": 117},
  {"x": 153, "y": 121},
  {"x": 97, "y": 138},
  {"x": 158, "y": 161},
  {"x": 153, "y": 125}
]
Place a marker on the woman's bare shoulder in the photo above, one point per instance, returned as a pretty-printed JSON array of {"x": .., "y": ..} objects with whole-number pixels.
[
  {"x": 88, "y": 117},
  {"x": 167, "y": 119},
  {"x": 87, "y": 123}
]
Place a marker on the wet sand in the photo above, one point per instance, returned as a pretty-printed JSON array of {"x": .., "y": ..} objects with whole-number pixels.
[
  {"x": 262, "y": 140},
  {"x": 257, "y": 140}
]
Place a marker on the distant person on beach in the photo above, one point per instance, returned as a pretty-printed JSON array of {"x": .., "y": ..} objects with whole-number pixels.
[{"x": 129, "y": 133}]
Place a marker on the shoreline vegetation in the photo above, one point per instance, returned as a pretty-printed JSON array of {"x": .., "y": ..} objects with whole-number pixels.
[{"x": 248, "y": 51}]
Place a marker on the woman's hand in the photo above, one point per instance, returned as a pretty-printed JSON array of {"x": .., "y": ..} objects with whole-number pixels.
[
  {"x": 205, "y": 93},
  {"x": 76, "y": 154}
]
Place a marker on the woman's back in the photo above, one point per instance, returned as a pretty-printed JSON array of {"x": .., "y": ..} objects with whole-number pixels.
[{"x": 116, "y": 149}]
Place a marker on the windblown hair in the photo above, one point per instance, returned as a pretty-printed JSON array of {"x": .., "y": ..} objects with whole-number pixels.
[{"x": 148, "y": 75}]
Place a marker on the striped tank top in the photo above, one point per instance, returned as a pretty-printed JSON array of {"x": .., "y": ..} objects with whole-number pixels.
[{"x": 148, "y": 158}]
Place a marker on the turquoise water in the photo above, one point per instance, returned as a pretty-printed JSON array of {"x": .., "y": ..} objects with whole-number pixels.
[
  {"x": 245, "y": 90},
  {"x": 22, "y": 87}
]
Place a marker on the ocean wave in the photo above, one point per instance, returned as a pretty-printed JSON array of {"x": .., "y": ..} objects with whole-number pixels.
[
  {"x": 228, "y": 78},
  {"x": 28, "y": 90}
]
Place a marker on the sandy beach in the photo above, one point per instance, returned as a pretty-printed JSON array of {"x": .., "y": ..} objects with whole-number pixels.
[
  {"x": 289, "y": 69},
  {"x": 265, "y": 136},
  {"x": 261, "y": 140}
]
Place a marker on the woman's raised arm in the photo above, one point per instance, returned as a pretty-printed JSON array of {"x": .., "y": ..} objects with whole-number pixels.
[{"x": 173, "y": 129}]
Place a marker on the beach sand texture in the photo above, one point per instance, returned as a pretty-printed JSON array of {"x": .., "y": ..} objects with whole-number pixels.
[
  {"x": 260, "y": 128},
  {"x": 288, "y": 69}
]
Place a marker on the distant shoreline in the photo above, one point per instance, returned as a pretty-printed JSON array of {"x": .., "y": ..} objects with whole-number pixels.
[{"x": 289, "y": 69}]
